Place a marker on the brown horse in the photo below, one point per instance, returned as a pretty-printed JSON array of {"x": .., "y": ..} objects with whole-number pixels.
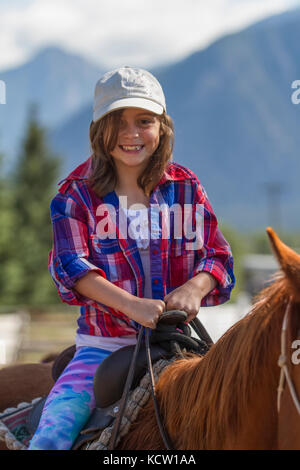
[
  {"x": 228, "y": 398},
  {"x": 22, "y": 383}
]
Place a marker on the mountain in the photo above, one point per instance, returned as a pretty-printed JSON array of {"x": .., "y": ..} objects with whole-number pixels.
[
  {"x": 235, "y": 123},
  {"x": 60, "y": 83}
]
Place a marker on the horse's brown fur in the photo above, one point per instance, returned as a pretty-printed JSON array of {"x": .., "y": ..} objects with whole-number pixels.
[
  {"x": 205, "y": 401},
  {"x": 227, "y": 400},
  {"x": 22, "y": 383},
  {"x": 289, "y": 419}
]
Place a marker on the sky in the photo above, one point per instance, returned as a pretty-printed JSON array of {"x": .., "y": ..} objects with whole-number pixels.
[{"x": 144, "y": 33}]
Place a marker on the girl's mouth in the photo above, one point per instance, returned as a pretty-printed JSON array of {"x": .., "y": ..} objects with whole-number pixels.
[{"x": 131, "y": 148}]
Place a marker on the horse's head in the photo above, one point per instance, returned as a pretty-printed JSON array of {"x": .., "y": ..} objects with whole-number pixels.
[
  {"x": 289, "y": 396},
  {"x": 289, "y": 262}
]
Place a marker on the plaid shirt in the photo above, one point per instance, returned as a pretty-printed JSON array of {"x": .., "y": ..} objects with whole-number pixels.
[{"x": 78, "y": 249}]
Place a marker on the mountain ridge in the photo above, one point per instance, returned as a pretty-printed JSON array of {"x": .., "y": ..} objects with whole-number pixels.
[{"x": 235, "y": 124}]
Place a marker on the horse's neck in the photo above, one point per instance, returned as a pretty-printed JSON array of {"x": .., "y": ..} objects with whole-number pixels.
[
  {"x": 230, "y": 395},
  {"x": 227, "y": 399},
  {"x": 256, "y": 414}
]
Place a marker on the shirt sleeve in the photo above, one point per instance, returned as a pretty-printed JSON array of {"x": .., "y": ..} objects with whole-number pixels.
[
  {"x": 215, "y": 256},
  {"x": 68, "y": 258}
]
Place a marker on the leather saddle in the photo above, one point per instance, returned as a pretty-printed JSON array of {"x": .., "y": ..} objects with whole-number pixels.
[{"x": 112, "y": 372}]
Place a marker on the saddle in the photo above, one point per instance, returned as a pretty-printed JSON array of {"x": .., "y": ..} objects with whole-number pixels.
[{"x": 169, "y": 338}]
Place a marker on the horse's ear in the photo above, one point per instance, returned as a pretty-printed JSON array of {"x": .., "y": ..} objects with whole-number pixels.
[{"x": 288, "y": 259}]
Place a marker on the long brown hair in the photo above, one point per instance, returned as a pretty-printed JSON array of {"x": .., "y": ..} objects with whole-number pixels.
[{"x": 103, "y": 139}]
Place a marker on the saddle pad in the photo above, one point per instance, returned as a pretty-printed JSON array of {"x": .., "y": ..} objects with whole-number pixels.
[{"x": 14, "y": 426}]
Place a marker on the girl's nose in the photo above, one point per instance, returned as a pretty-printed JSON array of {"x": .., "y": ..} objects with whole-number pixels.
[{"x": 130, "y": 130}]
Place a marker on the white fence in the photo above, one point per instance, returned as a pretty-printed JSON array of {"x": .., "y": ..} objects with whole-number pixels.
[
  {"x": 12, "y": 331},
  {"x": 217, "y": 320}
]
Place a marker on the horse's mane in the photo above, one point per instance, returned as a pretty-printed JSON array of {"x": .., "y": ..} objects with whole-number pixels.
[{"x": 209, "y": 394}]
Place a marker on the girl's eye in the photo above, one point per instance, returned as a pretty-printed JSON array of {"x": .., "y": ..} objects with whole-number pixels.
[
  {"x": 142, "y": 122},
  {"x": 146, "y": 121}
]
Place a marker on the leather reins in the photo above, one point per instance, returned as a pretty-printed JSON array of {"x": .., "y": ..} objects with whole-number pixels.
[{"x": 204, "y": 341}]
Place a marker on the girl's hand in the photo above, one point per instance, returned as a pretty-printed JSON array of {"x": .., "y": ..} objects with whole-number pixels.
[
  {"x": 188, "y": 297},
  {"x": 183, "y": 298},
  {"x": 146, "y": 311}
]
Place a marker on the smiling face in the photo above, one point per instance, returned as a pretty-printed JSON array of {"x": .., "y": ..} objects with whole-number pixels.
[{"x": 138, "y": 138}]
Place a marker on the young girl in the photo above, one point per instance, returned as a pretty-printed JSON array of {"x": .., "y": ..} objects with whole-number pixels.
[{"x": 120, "y": 248}]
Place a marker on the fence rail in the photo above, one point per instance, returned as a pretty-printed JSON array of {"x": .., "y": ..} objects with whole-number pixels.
[
  {"x": 13, "y": 328},
  {"x": 28, "y": 337}
]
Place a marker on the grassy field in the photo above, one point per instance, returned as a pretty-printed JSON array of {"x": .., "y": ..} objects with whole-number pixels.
[{"x": 46, "y": 333}]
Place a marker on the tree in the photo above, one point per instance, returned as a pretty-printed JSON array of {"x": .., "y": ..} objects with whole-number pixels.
[
  {"x": 6, "y": 245},
  {"x": 239, "y": 249},
  {"x": 33, "y": 188}
]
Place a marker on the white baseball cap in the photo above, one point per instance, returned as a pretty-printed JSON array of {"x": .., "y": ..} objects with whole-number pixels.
[{"x": 128, "y": 87}]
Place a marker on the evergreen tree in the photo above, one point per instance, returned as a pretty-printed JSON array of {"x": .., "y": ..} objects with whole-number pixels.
[
  {"x": 239, "y": 249},
  {"x": 33, "y": 184},
  {"x": 6, "y": 246}
]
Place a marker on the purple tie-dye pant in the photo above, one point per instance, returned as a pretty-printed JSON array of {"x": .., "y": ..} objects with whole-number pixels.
[{"x": 70, "y": 402}]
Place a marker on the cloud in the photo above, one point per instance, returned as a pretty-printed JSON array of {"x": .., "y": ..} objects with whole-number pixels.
[{"x": 115, "y": 33}]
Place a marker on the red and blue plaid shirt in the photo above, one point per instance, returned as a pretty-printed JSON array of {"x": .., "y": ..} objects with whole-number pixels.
[{"x": 78, "y": 249}]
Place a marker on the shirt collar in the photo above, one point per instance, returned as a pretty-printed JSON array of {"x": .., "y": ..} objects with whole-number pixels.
[{"x": 82, "y": 172}]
